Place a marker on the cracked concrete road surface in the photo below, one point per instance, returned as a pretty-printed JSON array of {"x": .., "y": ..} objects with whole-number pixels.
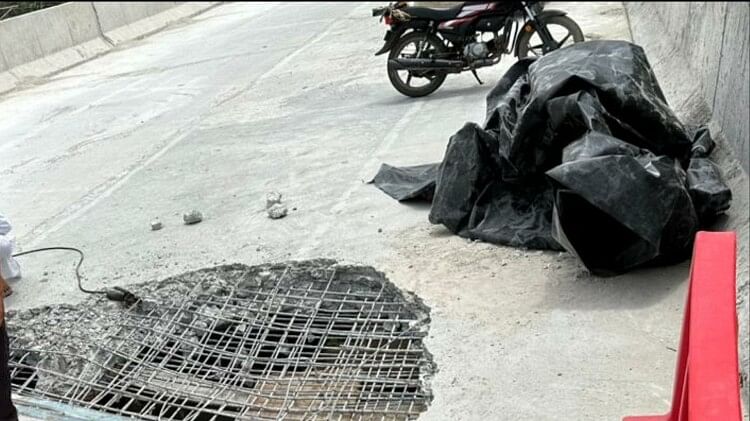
[{"x": 247, "y": 98}]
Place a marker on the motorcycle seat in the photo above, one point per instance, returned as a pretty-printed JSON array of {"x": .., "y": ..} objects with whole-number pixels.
[{"x": 433, "y": 14}]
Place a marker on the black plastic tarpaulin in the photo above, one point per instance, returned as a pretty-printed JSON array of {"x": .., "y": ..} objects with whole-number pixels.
[
  {"x": 579, "y": 151},
  {"x": 407, "y": 183}
]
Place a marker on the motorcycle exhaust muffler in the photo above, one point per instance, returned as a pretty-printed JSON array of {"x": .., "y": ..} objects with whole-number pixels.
[{"x": 448, "y": 66}]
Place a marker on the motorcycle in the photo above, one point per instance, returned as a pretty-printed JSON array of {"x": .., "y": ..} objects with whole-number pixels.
[{"x": 425, "y": 44}]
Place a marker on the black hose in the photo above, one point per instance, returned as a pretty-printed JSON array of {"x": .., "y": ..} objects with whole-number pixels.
[{"x": 78, "y": 266}]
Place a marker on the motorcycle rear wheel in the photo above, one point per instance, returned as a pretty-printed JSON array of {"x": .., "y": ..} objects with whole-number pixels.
[
  {"x": 401, "y": 50},
  {"x": 557, "y": 26}
]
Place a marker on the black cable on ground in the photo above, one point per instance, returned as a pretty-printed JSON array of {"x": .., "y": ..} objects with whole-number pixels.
[
  {"x": 113, "y": 294},
  {"x": 78, "y": 266}
]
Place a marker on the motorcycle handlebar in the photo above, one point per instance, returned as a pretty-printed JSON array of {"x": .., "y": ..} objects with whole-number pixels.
[{"x": 380, "y": 11}]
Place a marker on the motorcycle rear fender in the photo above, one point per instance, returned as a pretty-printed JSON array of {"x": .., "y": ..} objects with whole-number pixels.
[
  {"x": 395, "y": 33},
  {"x": 541, "y": 17}
]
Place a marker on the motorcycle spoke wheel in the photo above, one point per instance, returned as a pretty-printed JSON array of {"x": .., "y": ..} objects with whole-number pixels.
[
  {"x": 536, "y": 50},
  {"x": 417, "y": 83},
  {"x": 560, "y": 34},
  {"x": 564, "y": 32},
  {"x": 561, "y": 43}
]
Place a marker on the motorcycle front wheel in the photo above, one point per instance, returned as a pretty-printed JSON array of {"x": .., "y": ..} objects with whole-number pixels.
[
  {"x": 564, "y": 30},
  {"x": 416, "y": 45}
]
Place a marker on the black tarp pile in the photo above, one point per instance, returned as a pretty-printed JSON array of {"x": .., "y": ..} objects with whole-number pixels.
[{"x": 580, "y": 151}]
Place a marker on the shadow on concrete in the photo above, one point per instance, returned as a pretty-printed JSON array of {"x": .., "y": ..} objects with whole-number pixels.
[
  {"x": 440, "y": 94},
  {"x": 418, "y": 206},
  {"x": 571, "y": 288}
]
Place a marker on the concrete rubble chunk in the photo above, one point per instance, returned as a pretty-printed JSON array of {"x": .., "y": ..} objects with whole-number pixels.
[
  {"x": 156, "y": 225},
  {"x": 192, "y": 217},
  {"x": 277, "y": 211},
  {"x": 273, "y": 198}
]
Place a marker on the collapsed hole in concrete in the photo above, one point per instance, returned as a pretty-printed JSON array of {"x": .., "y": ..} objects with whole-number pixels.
[{"x": 303, "y": 340}]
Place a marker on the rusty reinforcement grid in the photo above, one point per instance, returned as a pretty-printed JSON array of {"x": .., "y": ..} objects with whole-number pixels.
[{"x": 284, "y": 343}]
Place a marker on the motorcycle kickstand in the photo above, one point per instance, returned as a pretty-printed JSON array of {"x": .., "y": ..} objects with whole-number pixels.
[{"x": 474, "y": 72}]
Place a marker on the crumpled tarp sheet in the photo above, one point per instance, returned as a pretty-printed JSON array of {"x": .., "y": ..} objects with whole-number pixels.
[
  {"x": 407, "y": 183},
  {"x": 581, "y": 152}
]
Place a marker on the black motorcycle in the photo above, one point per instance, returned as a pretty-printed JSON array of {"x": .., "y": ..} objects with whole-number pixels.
[{"x": 426, "y": 44}]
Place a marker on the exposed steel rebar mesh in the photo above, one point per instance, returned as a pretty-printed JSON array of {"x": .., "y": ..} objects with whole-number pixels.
[{"x": 300, "y": 341}]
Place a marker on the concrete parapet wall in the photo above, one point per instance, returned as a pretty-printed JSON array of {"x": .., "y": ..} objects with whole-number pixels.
[
  {"x": 41, "y": 43},
  {"x": 714, "y": 41}
]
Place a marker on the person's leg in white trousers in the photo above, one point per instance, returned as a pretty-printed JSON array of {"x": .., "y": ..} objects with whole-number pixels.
[{"x": 9, "y": 267}]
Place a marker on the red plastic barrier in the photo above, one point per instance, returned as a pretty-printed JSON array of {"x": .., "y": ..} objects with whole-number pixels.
[{"x": 707, "y": 380}]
